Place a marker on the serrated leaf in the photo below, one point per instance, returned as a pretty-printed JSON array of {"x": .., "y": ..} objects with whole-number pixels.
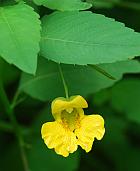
[
  {"x": 20, "y": 36},
  {"x": 87, "y": 38},
  {"x": 83, "y": 80},
  {"x": 64, "y": 5}
]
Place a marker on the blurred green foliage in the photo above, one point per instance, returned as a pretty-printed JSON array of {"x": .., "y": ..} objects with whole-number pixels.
[{"x": 117, "y": 100}]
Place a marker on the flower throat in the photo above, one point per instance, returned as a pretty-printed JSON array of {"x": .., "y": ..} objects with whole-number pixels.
[{"x": 69, "y": 118}]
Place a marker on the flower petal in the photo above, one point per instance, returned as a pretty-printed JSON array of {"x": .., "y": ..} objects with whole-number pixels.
[
  {"x": 60, "y": 103},
  {"x": 91, "y": 126},
  {"x": 62, "y": 140}
]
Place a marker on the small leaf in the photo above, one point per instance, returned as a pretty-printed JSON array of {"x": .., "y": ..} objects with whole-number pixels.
[
  {"x": 20, "y": 36},
  {"x": 87, "y": 38},
  {"x": 83, "y": 80},
  {"x": 64, "y": 5}
]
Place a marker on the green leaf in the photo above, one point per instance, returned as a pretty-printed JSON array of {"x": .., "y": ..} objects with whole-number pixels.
[
  {"x": 114, "y": 126},
  {"x": 83, "y": 80},
  {"x": 20, "y": 36},
  {"x": 125, "y": 97},
  {"x": 101, "y": 97},
  {"x": 87, "y": 38},
  {"x": 118, "y": 150},
  {"x": 64, "y": 5}
]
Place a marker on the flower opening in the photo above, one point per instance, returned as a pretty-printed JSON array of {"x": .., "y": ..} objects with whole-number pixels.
[{"x": 71, "y": 127}]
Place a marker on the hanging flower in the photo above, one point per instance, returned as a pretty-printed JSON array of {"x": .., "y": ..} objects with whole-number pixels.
[{"x": 71, "y": 127}]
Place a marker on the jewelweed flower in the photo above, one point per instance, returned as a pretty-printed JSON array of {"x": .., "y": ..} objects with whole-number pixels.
[{"x": 71, "y": 127}]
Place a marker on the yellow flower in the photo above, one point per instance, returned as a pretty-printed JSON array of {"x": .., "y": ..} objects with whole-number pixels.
[{"x": 71, "y": 127}]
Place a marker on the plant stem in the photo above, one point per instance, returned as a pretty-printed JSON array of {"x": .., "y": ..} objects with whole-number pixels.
[
  {"x": 18, "y": 134},
  {"x": 63, "y": 81},
  {"x": 102, "y": 71},
  {"x": 6, "y": 126},
  {"x": 14, "y": 101}
]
